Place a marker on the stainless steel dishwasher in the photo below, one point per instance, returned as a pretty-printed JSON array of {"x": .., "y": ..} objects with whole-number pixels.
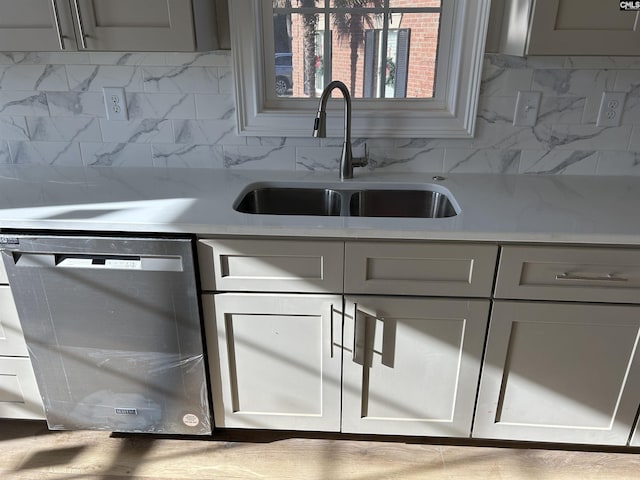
[{"x": 112, "y": 325}]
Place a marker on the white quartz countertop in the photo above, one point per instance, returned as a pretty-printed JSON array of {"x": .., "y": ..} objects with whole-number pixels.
[{"x": 496, "y": 208}]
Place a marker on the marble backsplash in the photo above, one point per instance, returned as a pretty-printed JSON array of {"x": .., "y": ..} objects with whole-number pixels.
[{"x": 182, "y": 114}]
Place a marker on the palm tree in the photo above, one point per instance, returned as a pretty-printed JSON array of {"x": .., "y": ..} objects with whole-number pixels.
[
  {"x": 351, "y": 27},
  {"x": 310, "y": 28}
]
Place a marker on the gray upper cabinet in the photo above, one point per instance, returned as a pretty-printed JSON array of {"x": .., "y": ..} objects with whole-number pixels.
[
  {"x": 567, "y": 27},
  {"x": 33, "y": 25},
  {"x": 114, "y": 25}
]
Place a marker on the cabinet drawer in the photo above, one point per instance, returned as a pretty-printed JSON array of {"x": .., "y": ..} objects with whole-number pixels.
[
  {"x": 11, "y": 339},
  {"x": 271, "y": 265},
  {"x": 420, "y": 269},
  {"x": 19, "y": 395},
  {"x": 568, "y": 273}
]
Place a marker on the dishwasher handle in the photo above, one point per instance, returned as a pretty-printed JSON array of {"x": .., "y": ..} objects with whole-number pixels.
[{"x": 168, "y": 263}]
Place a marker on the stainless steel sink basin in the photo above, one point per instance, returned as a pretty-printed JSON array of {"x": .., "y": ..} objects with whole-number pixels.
[
  {"x": 291, "y": 201},
  {"x": 348, "y": 199},
  {"x": 401, "y": 203}
]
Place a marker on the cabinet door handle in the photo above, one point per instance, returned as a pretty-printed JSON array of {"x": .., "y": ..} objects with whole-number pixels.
[
  {"x": 388, "y": 354},
  {"x": 359, "y": 332},
  {"x": 355, "y": 332},
  {"x": 56, "y": 19},
  {"x": 331, "y": 330},
  {"x": 83, "y": 42},
  {"x": 610, "y": 277}
]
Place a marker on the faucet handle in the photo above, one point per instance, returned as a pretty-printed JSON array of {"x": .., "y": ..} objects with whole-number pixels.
[{"x": 362, "y": 161}]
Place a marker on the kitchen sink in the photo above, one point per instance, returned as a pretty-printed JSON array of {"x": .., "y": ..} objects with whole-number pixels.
[
  {"x": 355, "y": 200},
  {"x": 401, "y": 203},
  {"x": 291, "y": 201}
]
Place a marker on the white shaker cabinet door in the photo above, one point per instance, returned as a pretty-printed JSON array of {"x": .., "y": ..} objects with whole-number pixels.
[
  {"x": 558, "y": 372},
  {"x": 275, "y": 360},
  {"x": 36, "y": 25},
  {"x": 583, "y": 27},
  {"x": 19, "y": 394},
  {"x": 135, "y": 25},
  {"x": 415, "y": 367},
  {"x": 11, "y": 338}
]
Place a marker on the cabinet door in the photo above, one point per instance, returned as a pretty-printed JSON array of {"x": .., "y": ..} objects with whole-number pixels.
[
  {"x": 19, "y": 395},
  {"x": 11, "y": 339},
  {"x": 583, "y": 27},
  {"x": 275, "y": 360},
  {"x": 36, "y": 25},
  {"x": 140, "y": 25},
  {"x": 560, "y": 373},
  {"x": 416, "y": 365}
]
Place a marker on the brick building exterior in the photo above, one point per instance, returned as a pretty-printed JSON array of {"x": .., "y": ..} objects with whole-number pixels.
[{"x": 423, "y": 31}]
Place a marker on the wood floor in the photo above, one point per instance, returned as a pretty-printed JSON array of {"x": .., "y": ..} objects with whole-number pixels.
[{"x": 28, "y": 451}]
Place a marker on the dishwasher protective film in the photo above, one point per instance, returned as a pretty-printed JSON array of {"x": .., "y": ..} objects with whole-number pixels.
[{"x": 113, "y": 330}]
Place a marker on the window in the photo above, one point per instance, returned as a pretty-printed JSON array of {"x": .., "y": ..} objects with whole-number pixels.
[
  {"x": 412, "y": 66},
  {"x": 369, "y": 43}
]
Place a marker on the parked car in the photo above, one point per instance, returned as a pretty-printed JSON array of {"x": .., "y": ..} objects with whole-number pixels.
[{"x": 284, "y": 70}]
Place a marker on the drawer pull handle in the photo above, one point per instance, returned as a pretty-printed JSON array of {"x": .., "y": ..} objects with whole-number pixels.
[{"x": 607, "y": 278}]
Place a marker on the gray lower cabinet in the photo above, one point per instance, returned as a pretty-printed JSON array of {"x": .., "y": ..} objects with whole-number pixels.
[
  {"x": 12, "y": 342},
  {"x": 19, "y": 394},
  {"x": 411, "y": 365},
  {"x": 275, "y": 360},
  {"x": 407, "y": 366},
  {"x": 114, "y": 25},
  {"x": 560, "y": 372}
]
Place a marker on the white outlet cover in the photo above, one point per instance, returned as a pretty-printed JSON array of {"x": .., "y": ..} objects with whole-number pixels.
[
  {"x": 527, "y": 106},
  {"x": 611, "y": 109},
  {"x": 115, "y": 103}
]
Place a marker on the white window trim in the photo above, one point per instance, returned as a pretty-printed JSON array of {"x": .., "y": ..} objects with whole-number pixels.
[{"x": 451, "y": 116}]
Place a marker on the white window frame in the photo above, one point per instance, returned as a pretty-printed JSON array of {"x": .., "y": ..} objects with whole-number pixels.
[{"x": 450, "y": 114}]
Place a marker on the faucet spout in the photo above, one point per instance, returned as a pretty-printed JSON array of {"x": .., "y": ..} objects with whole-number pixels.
[{"x": 347, "y": 162}]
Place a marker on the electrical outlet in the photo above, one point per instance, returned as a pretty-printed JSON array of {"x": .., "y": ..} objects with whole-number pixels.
[
  {"x": 527, "y": 106},
  {"x": 611, "y": 106},
  {"x": 115, "y": 103}
]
